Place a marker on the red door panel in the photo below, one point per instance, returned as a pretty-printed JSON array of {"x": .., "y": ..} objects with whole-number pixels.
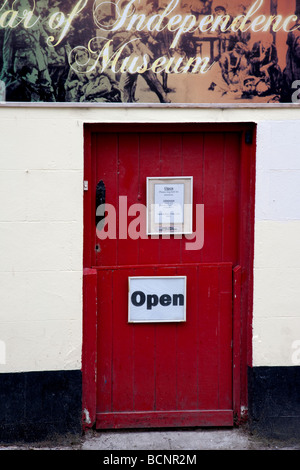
[
  {"x": 170, "y": 368},
  {"x": 212, "y": 159},
  {"x": 172, "y": 374}
]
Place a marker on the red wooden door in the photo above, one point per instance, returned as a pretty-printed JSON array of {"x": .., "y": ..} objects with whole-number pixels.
[{"x": 167, "y": 374}]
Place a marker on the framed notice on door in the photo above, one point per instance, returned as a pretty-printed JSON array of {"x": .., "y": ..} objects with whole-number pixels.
[{"x": 169, "y": 205}]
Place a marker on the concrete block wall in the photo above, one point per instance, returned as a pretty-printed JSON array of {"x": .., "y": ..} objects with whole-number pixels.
[
  {"x": 41, "y": 227},
  {"x": 276, "y": 319}
]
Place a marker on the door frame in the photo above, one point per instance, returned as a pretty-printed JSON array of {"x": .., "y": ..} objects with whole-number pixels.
[{"x": 242, "y": 274}]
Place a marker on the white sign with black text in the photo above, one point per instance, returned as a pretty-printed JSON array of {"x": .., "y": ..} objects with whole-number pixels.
[
  {"x": 170, "y": 205},
  {"x": 157, "y": 299}
]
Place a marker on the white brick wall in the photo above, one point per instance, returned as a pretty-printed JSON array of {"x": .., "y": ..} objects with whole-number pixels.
[
  {"x": 276, "y": 316},
  {"x": 41, "y": 230}
]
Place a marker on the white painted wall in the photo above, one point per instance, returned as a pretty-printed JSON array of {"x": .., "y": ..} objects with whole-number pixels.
[
  {"x": 277, "y": 245},
  {"x": 41, "y": 234},
  {"x": 41, "y": 230}
]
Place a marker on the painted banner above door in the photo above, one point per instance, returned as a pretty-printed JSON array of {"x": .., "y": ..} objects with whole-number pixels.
[{"x": 150, "y": 51}]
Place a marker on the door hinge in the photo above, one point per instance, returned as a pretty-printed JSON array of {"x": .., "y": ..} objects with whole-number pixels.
[{"x": 85, "y": 185}]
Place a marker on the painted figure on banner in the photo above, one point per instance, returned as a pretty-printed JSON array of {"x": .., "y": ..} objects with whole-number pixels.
[
  {"x": 264, "y": 65},
  {"x": 291, "y": 72},
  {"x": 26, "y": 47},
  {"x": 100, "y": 88},
  {"x": 80, "y": 66},
  {"x": 141, "y": 46},
  {"x": 25, "y": 87},
  {"x": 58, "y": 66},
  {"x": 162, "y": 41},
  {"x": 224, "y": 35},
  {"x": 234, "y": 67},
  {"x": 240, "y": 35},
  {"x": 201, "y": 7}
]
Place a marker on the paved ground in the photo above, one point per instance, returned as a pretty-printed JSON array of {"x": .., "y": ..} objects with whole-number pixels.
[
  {"x": 236, "y": 439},
  {"x": 164, "y": 440}
]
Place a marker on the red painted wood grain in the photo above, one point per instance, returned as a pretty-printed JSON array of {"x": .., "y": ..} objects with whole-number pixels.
[{"x": 170, "y": 374}]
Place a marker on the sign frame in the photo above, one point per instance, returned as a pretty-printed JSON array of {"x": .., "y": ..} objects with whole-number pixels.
[
  {"x": 184, "y": 227},
  {"x": 157, "y": 320}
]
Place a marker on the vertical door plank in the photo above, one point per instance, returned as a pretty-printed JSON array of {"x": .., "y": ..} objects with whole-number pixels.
[
  {"x": 231, "y": 198},
  {"x": 144, "y": 357},
  {"x": 166, "y": 359},
  {"x": 208, "y": 333},
  {"x": 150, "y": 146},
  {"x": 89, "y": 347},
  {"x": 213, "y": 196},
  {"x": 171, "y": 165},
  {"x": 225, "y": 337},
  {"x": 107, "y": 171},
  {"x": 236, "y": 335},
  {"x": 105, "y": 341},
  {"x": 128, "y": 187},
  {"x": 122, "y": 360},
  {"x": 192, "y": 154},
  {"x": 144, "y": 367},
  {"x": 187, "y": 345}
]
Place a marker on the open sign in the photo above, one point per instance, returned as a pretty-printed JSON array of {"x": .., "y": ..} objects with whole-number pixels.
[{"x": 157, "y": 299}]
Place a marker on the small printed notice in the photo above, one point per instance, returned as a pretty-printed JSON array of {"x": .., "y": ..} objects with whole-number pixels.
[{"x": 169, "y": 203}]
